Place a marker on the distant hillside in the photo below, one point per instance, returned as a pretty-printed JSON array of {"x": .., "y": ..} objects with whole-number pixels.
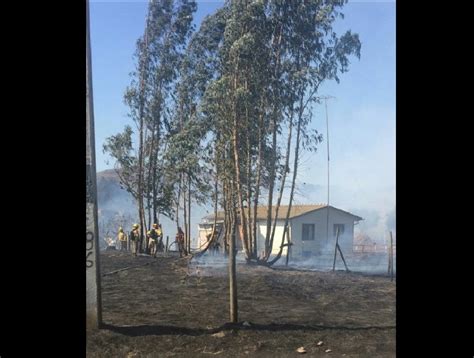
[{"x": 108, "y": 186}]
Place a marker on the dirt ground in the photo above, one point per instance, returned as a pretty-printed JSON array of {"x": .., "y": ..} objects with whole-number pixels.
[{"x": 166, "y": 307}]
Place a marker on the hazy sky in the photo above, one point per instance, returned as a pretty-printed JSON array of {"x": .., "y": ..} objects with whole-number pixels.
[{"x": 361, "y": 117}]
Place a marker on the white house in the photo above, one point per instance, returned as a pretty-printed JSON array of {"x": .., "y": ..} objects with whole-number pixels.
[{"x": 307, "y": 229}]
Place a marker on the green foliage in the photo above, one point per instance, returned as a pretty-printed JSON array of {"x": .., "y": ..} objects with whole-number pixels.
[
  {"x": 120, "y": 148},
  {"x": 220, "y": 104},
  {"x": 158, "y": 56}
]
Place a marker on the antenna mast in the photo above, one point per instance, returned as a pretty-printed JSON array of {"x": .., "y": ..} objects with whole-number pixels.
[{"x": 327, "y": 142}]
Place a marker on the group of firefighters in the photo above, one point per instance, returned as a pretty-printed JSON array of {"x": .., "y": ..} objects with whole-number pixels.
[{"x": 154, "y": 238}]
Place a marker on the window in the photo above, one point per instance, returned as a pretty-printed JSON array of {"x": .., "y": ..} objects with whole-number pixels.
[
  {"x": 308, "y": 232},
  {"x": 341, "y": 229}
]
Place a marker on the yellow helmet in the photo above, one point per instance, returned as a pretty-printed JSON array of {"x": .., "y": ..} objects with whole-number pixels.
[
  {"x": 135, "y": 226},
  {"x": 155, "y": 225}
]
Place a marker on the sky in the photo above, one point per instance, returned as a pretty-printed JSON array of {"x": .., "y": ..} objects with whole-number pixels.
[{"x": 361, "y": 116}]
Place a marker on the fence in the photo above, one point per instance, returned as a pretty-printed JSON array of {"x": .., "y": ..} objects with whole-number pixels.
[{"x": 373, "y": 248}]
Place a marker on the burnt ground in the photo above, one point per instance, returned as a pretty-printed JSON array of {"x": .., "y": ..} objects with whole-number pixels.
[{"x": 167, "y": 308}]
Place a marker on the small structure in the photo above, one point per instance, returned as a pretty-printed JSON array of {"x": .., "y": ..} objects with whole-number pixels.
[
  {"x": 111, "y": 243},
  {"x": 307, "y": 229},
  {"x": 364, "y": 244}
]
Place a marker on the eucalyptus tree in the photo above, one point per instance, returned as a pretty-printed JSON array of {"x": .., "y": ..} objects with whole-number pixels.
[
  {"x": 149, "y": 96},
  {"x": 169, "y": 29},
  {"x": 235, "y": 97},
  {"x": 273, "y": 57},
  {"x": 248, "y": 81},
  {"x": 228, "y": 106},
  {"x": 191, "y": 150},
  {"x": 314, "y": 54}
]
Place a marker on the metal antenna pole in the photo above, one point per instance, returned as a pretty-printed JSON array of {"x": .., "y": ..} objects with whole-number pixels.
[{"x": 327, "y": 142}]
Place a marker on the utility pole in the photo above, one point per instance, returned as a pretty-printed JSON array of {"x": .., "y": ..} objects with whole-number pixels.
[
  {"x": 93, "y": 294},
  {"x": 327, "y": 142}
]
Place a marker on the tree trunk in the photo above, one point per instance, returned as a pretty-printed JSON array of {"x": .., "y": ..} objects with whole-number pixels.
[
  {"x": 272, "y": 173},
  {"x": 214, "y": 227},
  {"x": 149, "y": 209},
  {"x": 145, "y": 209},
  {"x": 226, "y": 217},
  {"x": 249, "y": 181},
  {"x": 150, "y": 196},
  {"x": 177, "y": 203},
  {"x": 283, "y": 179},
  {"x": 257, "y": 186},
  {"x": 185, "y": 215},
  {"x": 140, "y": 191},
  {"x": 243, "y": 220},
  {"x": 145, "y": 229},
  {"x": 249, "y": 198},
  {"x": 293, "y": 182},
  {"x": 154, "y": 179},
  {"x": 237, "y": 177},
  {"x": 232, "y": 275},
  {"x": 189, "y": 213},
  {"x": 140, "y": 181},
  {"x": 277, "y": 49}
]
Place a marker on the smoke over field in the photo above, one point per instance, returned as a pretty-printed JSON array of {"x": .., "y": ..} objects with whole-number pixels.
[{"x": 117, "y": 208}]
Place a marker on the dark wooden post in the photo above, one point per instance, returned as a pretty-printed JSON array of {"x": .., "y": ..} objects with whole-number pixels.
[
  {"x": 288, "y": 250},
  {"x": 391, "y": 257},
  {"x": 167, "y": 239},
  {"x": 342, "y": 257},
  {"x": 335, "y": 249},
  {"x": 389, "y": 260}
]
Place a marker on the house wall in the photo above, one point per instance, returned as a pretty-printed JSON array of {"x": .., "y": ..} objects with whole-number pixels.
[
  {"x": 315, "y": 247},
  {"x": 262, "y": 231},
  {"x": 320, "y": 242},
  {"x": 206, "y": 229},
  {"x": 203, "y": 231}
]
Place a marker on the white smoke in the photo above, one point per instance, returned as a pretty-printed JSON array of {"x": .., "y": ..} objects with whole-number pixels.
[{"x": 118, "y": 208}]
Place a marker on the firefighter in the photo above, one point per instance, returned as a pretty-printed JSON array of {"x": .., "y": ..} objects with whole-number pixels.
[
  {"x": 152, "y": 242},
  {"x": 159, "y": 232},
  {"x": 122, "y": 238},
  {"x": 180, "y": 241},
  {"x": 135, "y": 238}
]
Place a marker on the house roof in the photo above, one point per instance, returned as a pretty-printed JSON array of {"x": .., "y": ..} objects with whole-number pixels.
[{"x": 296, "y": 210}]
